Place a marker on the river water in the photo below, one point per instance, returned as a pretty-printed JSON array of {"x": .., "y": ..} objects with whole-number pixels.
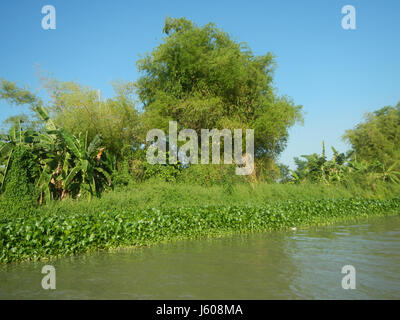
[{"x": 301, "y": 264}]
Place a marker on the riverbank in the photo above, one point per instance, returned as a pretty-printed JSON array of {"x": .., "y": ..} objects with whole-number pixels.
[{"x": 77, "y": 227}]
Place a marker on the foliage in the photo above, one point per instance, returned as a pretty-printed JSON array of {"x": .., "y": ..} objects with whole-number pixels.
[
  {"x": 17, "y": 137},
  {"x": 135, "y": 169},
  {"x": 68, "y": 165},
  {"x": 80, "y": 171},
  {"x": 71, "y": 231},
  {"x": 201, "y": 78},
  {"x": 80, "y": 109},
  {"x": 156, "y": 194},
  {"x": 209, "y": 175},
  {"x": 26, "y": 122},
  {"x": 15, "y": 95},
  {"x": 20, "y": 194},
  {"x": 378, "y": 138},
  {"x": 343, "y": 168}
]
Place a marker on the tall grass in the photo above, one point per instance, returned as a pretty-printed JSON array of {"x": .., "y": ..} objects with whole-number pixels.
[{"x": 156, "y": 194}]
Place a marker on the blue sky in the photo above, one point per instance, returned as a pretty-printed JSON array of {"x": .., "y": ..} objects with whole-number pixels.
[{"x": 337, "y": 75}]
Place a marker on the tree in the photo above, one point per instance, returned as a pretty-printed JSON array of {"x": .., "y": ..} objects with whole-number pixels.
[
  {"x": 79, "y": 109},
  {"x": 15, "y": 95},
  {"x": 201, "y": 78},
  {"x": 378, "y": 138}
]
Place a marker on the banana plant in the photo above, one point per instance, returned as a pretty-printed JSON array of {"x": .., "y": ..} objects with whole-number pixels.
[
  {"x": 389, "y": 174},
  {"x": 52, "y": 157},
  {"x": 70, "y": 165},
  {"x": 84, "y": 171},
  {"x": 295, "y": 178},
  {"x": 334, "y": 170}
]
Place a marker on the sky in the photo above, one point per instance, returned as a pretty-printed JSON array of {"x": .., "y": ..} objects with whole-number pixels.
[{"x": 337, "y": 75}]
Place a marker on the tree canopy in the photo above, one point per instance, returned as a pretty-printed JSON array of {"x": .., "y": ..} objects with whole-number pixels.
[
  {"x": 201, "y": 78},
  {"x": 378, "y": 137},
  {"x": 80, "y": 109}
]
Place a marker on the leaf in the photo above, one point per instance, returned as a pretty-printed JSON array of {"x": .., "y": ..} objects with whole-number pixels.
[
  {"x": 71, "y": 176},
  {"x": 71, "y": 142},
  {"x": 5, "y": 150},
  {"x": 42, "y": 113},
  {"x": 85, "y": 165},
  {"x": 94, "y": 145},
  {"x": 104, "y": 172}
]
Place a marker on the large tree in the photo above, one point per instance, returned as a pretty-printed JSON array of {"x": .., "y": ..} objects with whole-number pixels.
[
  {"x": 202, "y": 78},
  {"x": 378, "y": 137}
]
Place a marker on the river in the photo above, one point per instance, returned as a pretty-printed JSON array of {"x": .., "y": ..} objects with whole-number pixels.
[{"x": 298, "y": 264}]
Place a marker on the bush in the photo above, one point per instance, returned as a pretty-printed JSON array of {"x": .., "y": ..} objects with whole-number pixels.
[
  {"x": 20, "y": 194},
  {"x": 211, "y": 174}
]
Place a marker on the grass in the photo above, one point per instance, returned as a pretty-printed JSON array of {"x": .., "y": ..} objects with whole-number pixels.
[
  {"x": 155, "y": 194},
  {"x": 152, "y": 213}
]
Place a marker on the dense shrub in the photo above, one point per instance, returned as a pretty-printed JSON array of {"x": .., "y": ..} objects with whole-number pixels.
[
  {"x": 209, "y": 175},
  {"x": 20, "y": 194}
]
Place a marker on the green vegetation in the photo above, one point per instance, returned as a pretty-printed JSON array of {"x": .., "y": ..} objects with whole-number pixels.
[
  {"x": 74, "y": 175},
  {"x": 344, "y": 169},
  {"x": 80, "y": 109},
  {"x": 19, "y": 190},
  {"x": 201, "y": 78},
  {"x": 75, "y": 229},
  {"x": 160, "y": 194},
  {"x": 61, "y": 164},
  {"x": 378, "y": 138}
]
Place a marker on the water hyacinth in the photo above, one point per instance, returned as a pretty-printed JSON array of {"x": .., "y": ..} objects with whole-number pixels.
[{"x": 68, "y": 231}]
